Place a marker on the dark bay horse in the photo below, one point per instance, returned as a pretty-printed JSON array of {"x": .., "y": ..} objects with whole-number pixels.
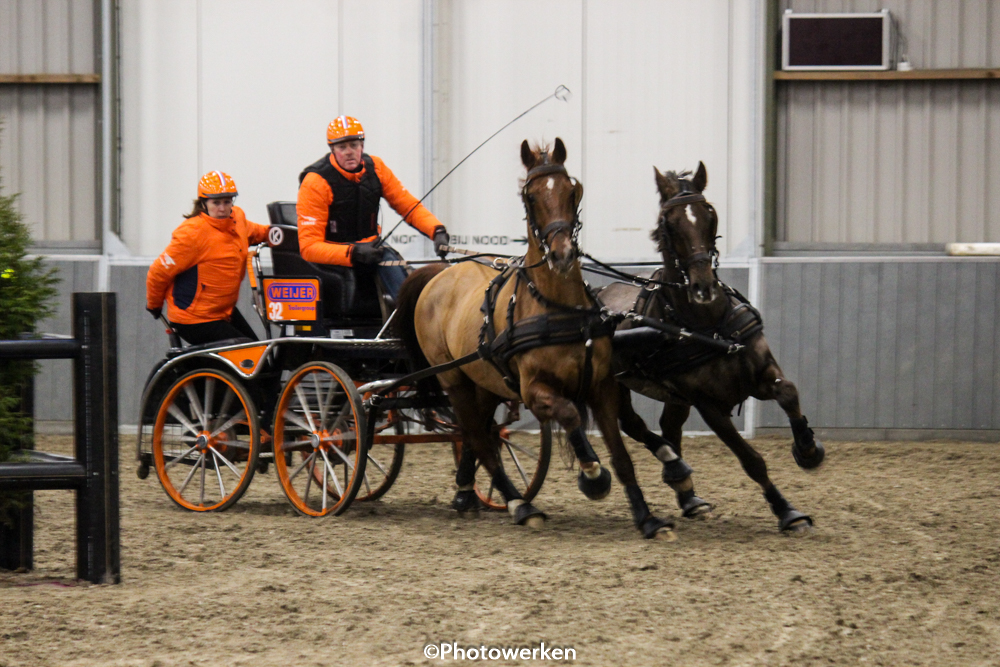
[
  {"x": 687, "y": 293},
  {"x": 546, "y": 343}
]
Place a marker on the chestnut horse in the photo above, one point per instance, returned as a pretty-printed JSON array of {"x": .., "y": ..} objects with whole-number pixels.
[
  {"x": 541, "y": 337},
  {"x": 687, "y": 293}
]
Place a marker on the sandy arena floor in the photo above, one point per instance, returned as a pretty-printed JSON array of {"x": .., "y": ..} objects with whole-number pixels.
[{"x": 902, "y": 569}]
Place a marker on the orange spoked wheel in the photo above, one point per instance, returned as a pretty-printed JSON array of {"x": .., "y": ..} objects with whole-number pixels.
[
  {"x": 320, "y": 449},
  {"x": 206, "y": 441},
  {"x": 525, "y": 462}
]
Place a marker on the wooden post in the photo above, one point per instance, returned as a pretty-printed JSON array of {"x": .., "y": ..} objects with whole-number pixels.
[{"x": 96, "y": 430}]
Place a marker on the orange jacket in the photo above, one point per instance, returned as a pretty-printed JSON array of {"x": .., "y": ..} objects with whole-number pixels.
[
  {"x": 200, "y": 272},
  {"x": 313, "y": 208}
]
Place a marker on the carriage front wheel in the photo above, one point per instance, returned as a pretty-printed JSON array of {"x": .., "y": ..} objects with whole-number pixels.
[
  {"x": 320, "y": 450},
  {"x": 206, "y": 440}
]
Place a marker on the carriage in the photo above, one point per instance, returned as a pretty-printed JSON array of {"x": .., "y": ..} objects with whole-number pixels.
[{"x": 324, "y": 398}]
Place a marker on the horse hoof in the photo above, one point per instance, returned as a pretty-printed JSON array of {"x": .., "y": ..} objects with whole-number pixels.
[
  {"x": 466, "y": 502},
  {"x": 653, "y": 527},
  {"x": 665, "y": 535},
  {"x": 528, "y": 515},
  {"x": 535, "y": 522},
  {"x": 812, "y": 460},
  {"x": 597, "y": 488},
  {"x": 795, "y": 522},
  {"x": 695, "y": 507},
  {"x": 799, "y": 528}
]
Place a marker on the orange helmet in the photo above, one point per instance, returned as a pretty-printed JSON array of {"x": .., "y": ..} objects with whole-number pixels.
[
  {"x": 216, "y": 184},
  {"x": 344, "y": 128}
]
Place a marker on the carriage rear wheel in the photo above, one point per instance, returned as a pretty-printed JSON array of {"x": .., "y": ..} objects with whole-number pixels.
[
  {"x": 320, "y": 449},
  {"x": 206, "y": 441},
  {"x": 525, "y": 463}
]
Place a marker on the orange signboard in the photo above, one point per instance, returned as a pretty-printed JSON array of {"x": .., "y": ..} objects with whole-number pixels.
[{"x": 291, "y": 299}]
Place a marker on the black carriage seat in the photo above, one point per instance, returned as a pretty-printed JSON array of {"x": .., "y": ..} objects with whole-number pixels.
[{"x": 350, "y": 294}]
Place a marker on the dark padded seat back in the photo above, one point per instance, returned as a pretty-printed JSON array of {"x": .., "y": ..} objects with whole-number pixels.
[{"x": 346, "y": 292}]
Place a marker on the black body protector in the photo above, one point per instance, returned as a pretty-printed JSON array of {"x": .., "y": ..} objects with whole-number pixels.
[{"x": 353, "y": 214}]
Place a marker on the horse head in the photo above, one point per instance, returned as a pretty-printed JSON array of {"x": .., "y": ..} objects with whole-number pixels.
[
  {"x": 686, "y": 231},
  {"x": 551, "y": 199}
]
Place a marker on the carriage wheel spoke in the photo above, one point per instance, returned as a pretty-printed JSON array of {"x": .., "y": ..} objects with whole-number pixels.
[
  {"x": 226, "y": 461},
  {"x": 309, "y": 479},
  {"x": 192, "y": 396},
  {"x": 524, "y": 450},
  {"x": 377, "y": 464},
  {"x": 329, "y": 469},
  {"x": 295, "y": 419},
  {"x": 520, "y": 468},
  {"x": 229, "y": 424},
  {"x": 209, "y": 399},
  {"x": 302, "y": 465},
  {"x": 173, "y": 462},
  {"x": 342, "y": 437},
  {"x": 304, "y": 402},
  {"x": 201, "y": 494},
  {"x": 344, "y": 457},
  {"x": 345, "y": 411},
  {"x": 296, "y": 446},
  {"x": 179, "y": 415},
  {"x": 187, "y": 479},
  {"x": 218, "y": 473},
  {"x": 227, "y": 402},
  {"x": 325, "y": 463},
  {"x": 319, "y": 399}
]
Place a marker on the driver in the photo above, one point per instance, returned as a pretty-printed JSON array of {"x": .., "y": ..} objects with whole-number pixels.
[{"x": 338, "y": 205}]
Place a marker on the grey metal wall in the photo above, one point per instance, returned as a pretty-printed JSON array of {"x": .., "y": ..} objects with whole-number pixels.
[
  {"x": 54, "y": 382},
  {"x": 48, "y": 145},
  {"x": 896, "y": 162},
  {"x": 887, "y": 345}
]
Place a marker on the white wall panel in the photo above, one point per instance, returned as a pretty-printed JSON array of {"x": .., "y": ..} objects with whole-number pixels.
[
  {"x": 505, "y": 57},
  {"x": 381, "y": 84},
  {"x": 269, "y": 87},
  {"x": 657, "y": 93},
  {"x": 159, "y": 72},
  {"x": 249, "y": 86}
]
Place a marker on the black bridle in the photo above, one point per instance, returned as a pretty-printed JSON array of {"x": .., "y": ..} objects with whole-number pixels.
[
  {"x": 711, "y": 256},
  {"x": 544, "y": 236}
]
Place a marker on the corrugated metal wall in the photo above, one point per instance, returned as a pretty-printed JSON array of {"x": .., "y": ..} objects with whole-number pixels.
[
  {"x": 48, "y": 145},
  {"x": 893, "y": 162},
  {"x": 881, "y": 344}
]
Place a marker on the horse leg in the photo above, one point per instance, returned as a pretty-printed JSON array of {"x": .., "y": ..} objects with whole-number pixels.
[
  {"x": 546, "y": 404},
  {"x": 808, "y": 452},
  {"x": 676, "y": 472},
  {"x": 753, "y": 464},
  {"x": 671, "y": 423},
  {"x": 606, "y": 414},
  {"x": 474, "y": 409}
]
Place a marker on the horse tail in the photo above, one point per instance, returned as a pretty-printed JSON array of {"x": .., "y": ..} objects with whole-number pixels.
[{"x": 404, "y": 323}]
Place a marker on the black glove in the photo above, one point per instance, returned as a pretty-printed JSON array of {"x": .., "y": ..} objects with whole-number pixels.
[
  {"x": 441, "y": 241},
  {"x": 366, "y": 253},
  {"x": 155, "y": 312}
]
